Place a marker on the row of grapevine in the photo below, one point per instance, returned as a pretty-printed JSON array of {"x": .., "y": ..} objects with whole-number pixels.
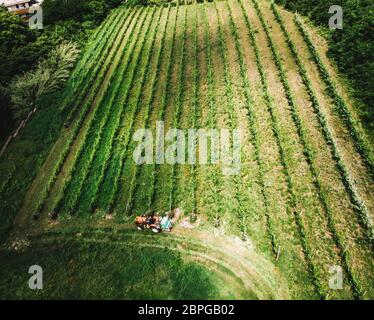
[
  {"x": 158, "y": 187},
  {"x": 81, "y": 83},
  {"x": 90, "y": 105},
  {"x": 309, "y": 154},
  {"x": 110, "y": 185},
  {"x": 147, "y": 174},
  {"x": 357, "y": 202},
  {"x": 289, "y": 258},
  {"x": 78, "y": 76},
  {"x": 92, "y": 184},
  {"x": 87, "y": 152},
  {"x": 55, "y": 161},
  {"x": 97, "y": 42},
  {"x": 95, "y": 46},
  {"x": 122, "y": 102},
  {"x": 130, "y": 173},
  {"x": 195, "y": 104},
  {"x": 340, "y": 103},
  {"x": 293, "y": 198},
  {"x": 133, "y": 102},
  {"x": 215, "y": 181},
  {"x": 252, "y": 122},
  {"x": 181, "y": 191},
  {"x": 180, "y": 97},
  {"x": 202, "y": 108},
  {"x": 240, "y": 183}
]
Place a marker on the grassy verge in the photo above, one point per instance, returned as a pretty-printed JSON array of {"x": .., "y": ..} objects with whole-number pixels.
[{"x": 68, "y": 266}]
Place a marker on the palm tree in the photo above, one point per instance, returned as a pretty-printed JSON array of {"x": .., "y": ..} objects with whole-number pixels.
[{"x": 48, "y": 76}]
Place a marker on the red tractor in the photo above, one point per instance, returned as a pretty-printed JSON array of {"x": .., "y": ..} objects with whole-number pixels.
[
  {"x": 157, "y": 223},
  {"x": 148, "y": 221}
]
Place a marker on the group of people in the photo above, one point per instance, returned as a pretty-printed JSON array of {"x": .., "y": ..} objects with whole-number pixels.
[{"x": 153, "y": 220}]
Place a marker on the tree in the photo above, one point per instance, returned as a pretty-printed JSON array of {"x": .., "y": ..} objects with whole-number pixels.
[
  {"x": 48, "y": 76},
  {"x": 14, "y": 34}
]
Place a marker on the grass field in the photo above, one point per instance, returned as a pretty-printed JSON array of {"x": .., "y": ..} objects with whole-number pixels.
[{"x": 301, "y": 204}]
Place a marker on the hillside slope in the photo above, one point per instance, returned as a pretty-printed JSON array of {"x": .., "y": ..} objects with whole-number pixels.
[{"x": 303, "y": 200}]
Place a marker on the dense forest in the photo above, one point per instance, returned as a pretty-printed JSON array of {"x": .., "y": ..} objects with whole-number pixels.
[{"x": 352, "y": 47}]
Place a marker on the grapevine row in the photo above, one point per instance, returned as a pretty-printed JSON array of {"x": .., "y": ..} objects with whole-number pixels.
[
  {"x": 252, "y": 118},
  {"x": 123, "y": 140},
  {"x": 89, "y": 75},
  {"x": 94, "y": 180},
  {"x": 72, "y": 84},
  {"x": 48, "y": 182},
  {"x": 88, "y": 149},
  {"x": 293, "y": 199},
  {"x": 109, "y": 187},
  {"x": 163, "y": 104},
  {"x": 339, "y": 101},
  {"x": 214, "y": 176},
  {"x": 154, "y": 172},
  {"x": 134, "y": 176},
  {"x": 310, "y": 156},
  {"x": 233, "y": 120},
  {"x": 357, "y": 202},
  {"x": 95, "y": 44},
  {"x": 178, "y": 107},
  {"x": 122, "y": 94},
  {"x": 195, "y": 100}
]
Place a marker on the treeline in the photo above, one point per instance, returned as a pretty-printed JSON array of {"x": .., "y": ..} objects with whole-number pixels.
[
  {"x": 352, "y": 47},
  {"x": 22, "y": 48}
]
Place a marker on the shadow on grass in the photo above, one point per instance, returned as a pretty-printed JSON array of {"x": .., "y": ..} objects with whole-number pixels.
[{"x": 78, "y": 270}]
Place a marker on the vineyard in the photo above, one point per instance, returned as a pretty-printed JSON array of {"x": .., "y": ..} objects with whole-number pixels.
[{"x": 303, "y": 200}]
